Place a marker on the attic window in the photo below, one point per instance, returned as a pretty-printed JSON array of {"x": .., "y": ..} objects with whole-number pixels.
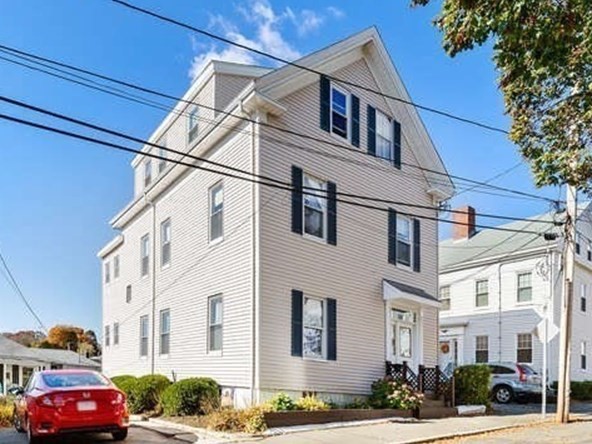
[{"x": 339, "y": 112}]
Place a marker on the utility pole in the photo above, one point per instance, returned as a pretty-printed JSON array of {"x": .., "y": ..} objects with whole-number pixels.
[{"x": 566, "y": 306}]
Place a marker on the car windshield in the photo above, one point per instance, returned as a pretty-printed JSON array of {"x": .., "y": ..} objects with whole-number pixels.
[{"x": 74, "y": 380}]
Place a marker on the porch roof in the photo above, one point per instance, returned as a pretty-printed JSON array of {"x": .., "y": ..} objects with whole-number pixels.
[{"x": 392, "y": 290}]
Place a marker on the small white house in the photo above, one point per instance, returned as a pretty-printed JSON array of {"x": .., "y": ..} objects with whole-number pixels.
[{"x": 496, "y": 286}]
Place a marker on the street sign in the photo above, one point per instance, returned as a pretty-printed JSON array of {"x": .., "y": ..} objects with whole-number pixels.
[{"x": 552, "y": 330}]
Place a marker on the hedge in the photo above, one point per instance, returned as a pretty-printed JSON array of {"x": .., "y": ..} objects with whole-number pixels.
[
  {"x": 146, "y": 393},
  {"x": 472, "y": 384},
  {"x": 579, "y": 390},
  {"x": 192, "y": 396},
  {"x": 125, "y": 383}
]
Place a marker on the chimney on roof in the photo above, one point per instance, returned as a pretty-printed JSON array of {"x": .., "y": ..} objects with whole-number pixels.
[{"x": 464, "y": 223}]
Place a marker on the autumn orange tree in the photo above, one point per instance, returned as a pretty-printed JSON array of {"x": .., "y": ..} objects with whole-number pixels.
[{"x": 68, "y": 337}]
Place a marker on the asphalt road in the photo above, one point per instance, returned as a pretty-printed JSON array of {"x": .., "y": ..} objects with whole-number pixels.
[{"x": 136, "y": 436}]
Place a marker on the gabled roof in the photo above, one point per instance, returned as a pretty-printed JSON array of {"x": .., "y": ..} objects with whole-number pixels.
[{"x": 369, "y": 45}]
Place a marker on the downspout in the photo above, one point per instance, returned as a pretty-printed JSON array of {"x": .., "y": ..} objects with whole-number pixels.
[
  {"x": 499, "y": 321},
  {"x": 152, "y": 240}
]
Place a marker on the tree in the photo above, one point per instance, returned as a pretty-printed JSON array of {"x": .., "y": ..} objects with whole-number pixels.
[
  {"x": 66, "y": 337},
  {"x": 543, "y": 53},
  {"x": 28, "y": 338}
]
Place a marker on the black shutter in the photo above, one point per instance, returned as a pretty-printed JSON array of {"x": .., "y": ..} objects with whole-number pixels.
[
  {"x": 396, "y": 144},
  {"x": 331, "y": 329},
  {"x": 355, "y": 108},
  {"x": 392, "y": 236},
  {"x": 332, "y": 213},
  {"x": 325, "y": 103},
  {"x": 297, "y": 307},
  {"x": 297, "y": 200},
  {"x": 416, "y": 246},
  {"x": 371, "y": 130}
]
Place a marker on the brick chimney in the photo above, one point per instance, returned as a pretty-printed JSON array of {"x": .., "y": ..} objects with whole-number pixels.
[{"x": 464, "y": 223}]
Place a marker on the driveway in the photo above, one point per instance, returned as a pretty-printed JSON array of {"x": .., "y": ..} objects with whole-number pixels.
[{"x": 136, "y": 436}]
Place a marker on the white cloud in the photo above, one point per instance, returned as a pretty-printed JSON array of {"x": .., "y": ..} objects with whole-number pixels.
[
  {"x": 335, "y": 12},
  {"x": 268, "y": 35}
]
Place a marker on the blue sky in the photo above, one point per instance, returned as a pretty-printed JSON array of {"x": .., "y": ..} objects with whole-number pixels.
[{"x": 58, "y": 194}]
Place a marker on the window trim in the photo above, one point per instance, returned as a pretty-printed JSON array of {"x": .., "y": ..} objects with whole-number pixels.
[
  {"x": 401, "y": 217},
  {"x": 481, "y": 349},
  {"x": 147, "y": 337},
  {"x": 107, "y": 272},
  {"x": 210, "y": 325},
  {"x": 162, "y": 153},
  {"x": 147, "y": 172},
  {"x": 348, "y": 111},
  {"x": 161, "y": 334},
  {"x": 145, "y": 238},
  {"x": 115, "y": 333},
  {"x": 163, "y": 244},
  {"x": 116, "y": 267},
  {"x": 518, "y": 288},
  {"x": 391, "y": 134},
  {"x": 128, "y": 294},
  {"x": 325, "y": 208},
  {"x": 107, "y": 338},
  {"x": 442, "y": 304},
  {"x": 518, "y": 348},
  {"x": 583, "y": 356},
  {"x": 477, "y": 281},
  {"x": 324, "y": 330},
  {"x": 219, "y": 184},
  {"x": 193, "y": 130}
]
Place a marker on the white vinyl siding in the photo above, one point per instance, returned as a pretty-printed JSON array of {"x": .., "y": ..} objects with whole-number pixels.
[
  {"x": 315, "y": 207},
  {"x": 384, "y": 136},
  {"x": 165, "y": 243},
  {"x": 216, "y": 222},
  {"x": 145, "y": 255},
  {"x": 165, "y": 332},
  {"x": 215, "y": 324},
  {"x": 144, "y": 332}
]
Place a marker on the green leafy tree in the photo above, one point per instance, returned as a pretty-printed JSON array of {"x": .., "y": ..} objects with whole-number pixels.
[{"x": 543, "y": 53}]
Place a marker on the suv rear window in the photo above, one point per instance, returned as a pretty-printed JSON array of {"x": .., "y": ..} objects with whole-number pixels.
[
  {"x": 74, "y": 380},
  {"x": 527, "y": 369},
  {"x": 501, "y": 370}
]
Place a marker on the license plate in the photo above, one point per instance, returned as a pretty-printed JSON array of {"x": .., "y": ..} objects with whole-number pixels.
[{"x": 86, "y": 406}]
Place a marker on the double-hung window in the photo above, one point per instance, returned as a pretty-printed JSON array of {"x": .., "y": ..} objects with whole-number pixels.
[
  {"x": 314, "y": 332},
  {"x": 404, "y": 240},
  {"x": 524, "y": 348},
  {"x": 217, "y": 212},
  {"x": 116, "y": 333},
  {"x": 144, "y": 335},
  {"x": 116, "y": 267},
  {"x": 315, "y": 207},
  {"x": 193, "y": 125},
  {"x": 163, "y": 155},
  {"x": 145, "y": 255},
  {"x": 583, "y": 356},
  {"x": 215, "y": 323},
  {"x": 482, "y": 293},
  {"x": 147, "y": 172},
  {"x": 128, "y": 294},
  {"x": 165, "y": 243},
  {"x": 524, "y": 287},
  {"x": 578, "y": 243},
  {"x": 481, "y": 349},
  {"x": 107, "y": 336},
  {"x": 583, "y": 299},
  {"x": 340, "y": 105},
  {"x": 445, "y": 298},
  {"x": 165, "y": 331},
  {"x": 589, "y": 255},
  {"x": 107, "y": 273},
  {"x": 384, "y": 136}
]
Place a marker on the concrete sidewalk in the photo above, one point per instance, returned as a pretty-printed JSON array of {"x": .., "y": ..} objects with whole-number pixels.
[{"x": 407, "y": 432}]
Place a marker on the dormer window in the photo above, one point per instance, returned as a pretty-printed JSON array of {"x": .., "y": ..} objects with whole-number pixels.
[{"x": 384, "y": 136}]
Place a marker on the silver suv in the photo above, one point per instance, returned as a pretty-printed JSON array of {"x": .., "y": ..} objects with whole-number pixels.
[{"x": 511, "y": 381}]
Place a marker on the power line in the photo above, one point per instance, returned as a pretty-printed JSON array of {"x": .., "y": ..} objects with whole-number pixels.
[
  {"x": 313, "y": 191},
  {"x": 16, "y": 287},
  {"x": 23, "y": 55},
  {"x": 491, "y": 179},
  {"x": 312, "y": 70},
  {"x": 286, "y": 186}
]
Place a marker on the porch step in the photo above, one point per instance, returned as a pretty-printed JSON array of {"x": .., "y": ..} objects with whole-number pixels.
[
  {"x": 437, "y": 412},
  {"x": 431, "y": 402}
]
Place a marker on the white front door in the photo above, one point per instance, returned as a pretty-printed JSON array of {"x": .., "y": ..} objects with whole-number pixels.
[
  {"x": 402, "y": 334},
  {"x": 451, "y": 352}
]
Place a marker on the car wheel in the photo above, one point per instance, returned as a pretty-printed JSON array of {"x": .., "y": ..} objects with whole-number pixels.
[
  {"x": 503, "y": 394},
  {"x": 32, "y": 439},
  {"x": 16, "y": 421},
  {"x": 120, "y": 435}
]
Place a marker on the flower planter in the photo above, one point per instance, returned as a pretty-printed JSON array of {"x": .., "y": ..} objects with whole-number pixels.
[{"x": 299, "y": 417}]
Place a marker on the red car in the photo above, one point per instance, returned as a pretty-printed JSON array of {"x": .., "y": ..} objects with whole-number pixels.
[{"x": 57, "y": 402}]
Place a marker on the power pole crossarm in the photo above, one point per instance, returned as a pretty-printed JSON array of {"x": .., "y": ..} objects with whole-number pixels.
[{"x": 566, "y": 306}]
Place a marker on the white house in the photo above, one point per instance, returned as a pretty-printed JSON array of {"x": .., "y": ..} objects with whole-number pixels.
[
  {"x": 263, "y": 288},
  {"x": 496, "y": 286}
]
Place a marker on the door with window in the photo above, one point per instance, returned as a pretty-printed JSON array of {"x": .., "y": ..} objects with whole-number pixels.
[{"x": 403, "y": 345}]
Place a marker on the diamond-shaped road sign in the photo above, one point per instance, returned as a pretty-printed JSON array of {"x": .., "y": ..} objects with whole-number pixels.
[{"x": 552, "y": 330}]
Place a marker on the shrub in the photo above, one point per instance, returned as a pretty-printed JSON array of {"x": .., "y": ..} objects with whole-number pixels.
[
  {"x": 251, "y": 420},
  {"x": 146, "y": 393},
  {"x": 5, "y": 414},
  {"x": 581, "y": 390},
  {"x": 125, "y": 383},
  {"x": 311, "y": 404},
  {"x": 193, "y": 396},
  {"x": 390, "y": 394},
  {"x": 281, "y": 402},
  {"x": 358, "y": 403},
  {"x": 472, "y": 384}
]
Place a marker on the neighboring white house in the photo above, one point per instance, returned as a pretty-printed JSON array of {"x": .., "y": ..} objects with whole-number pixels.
[
  {"x": 495, "y": 287},
  {"x": 17, "y": 362},
  {"x": 267, "y": 289}
]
